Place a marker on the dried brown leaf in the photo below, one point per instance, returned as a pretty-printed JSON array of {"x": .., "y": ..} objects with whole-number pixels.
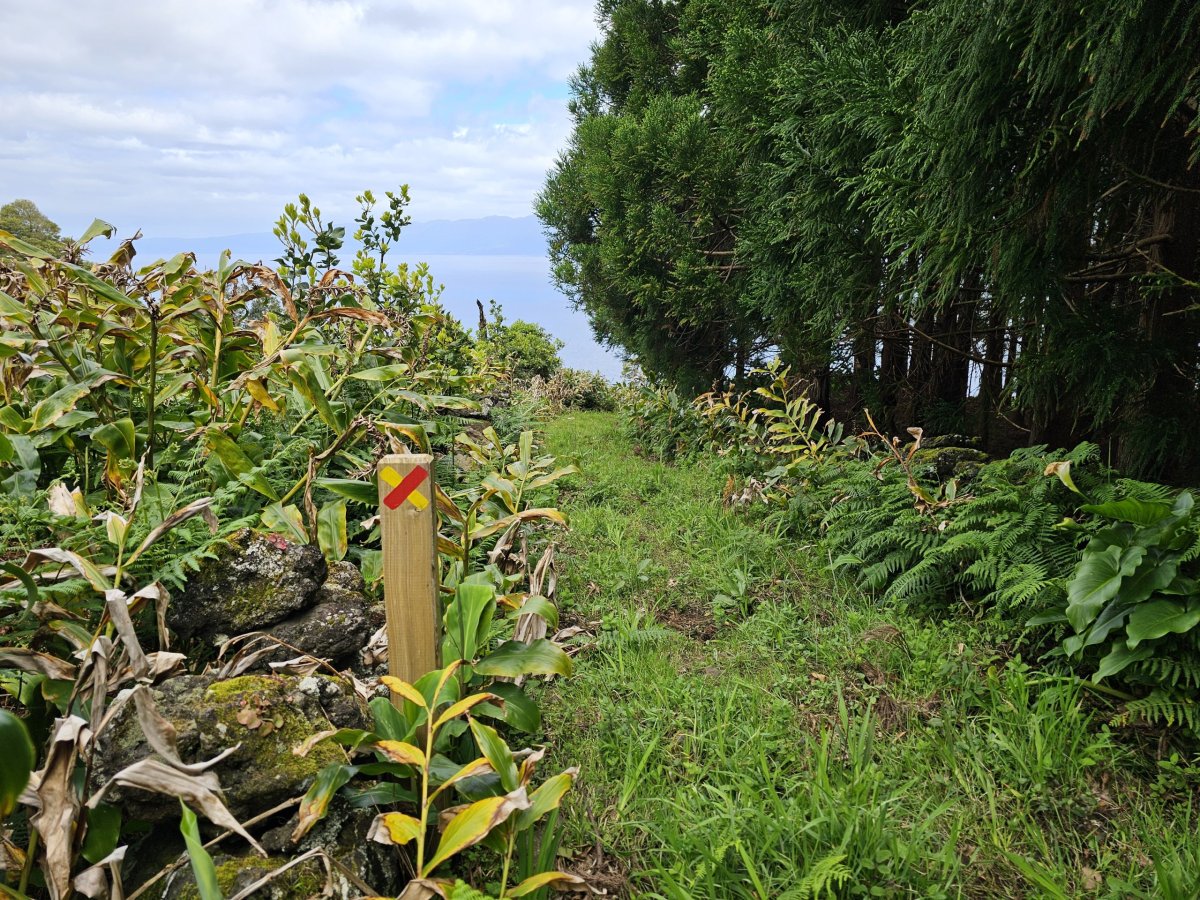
[
  {"x": 117, "y": 607},
  {"x": 41, "y": 663},
  {"x": 59, "y": 803},
  {"x": 197, "y": 791}
]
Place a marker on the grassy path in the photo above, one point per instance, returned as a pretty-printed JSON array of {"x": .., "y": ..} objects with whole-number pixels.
[{"x": 747, "y": 728}]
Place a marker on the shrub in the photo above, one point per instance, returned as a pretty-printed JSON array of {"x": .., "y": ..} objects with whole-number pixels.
[{"x": 572, "y": 389}]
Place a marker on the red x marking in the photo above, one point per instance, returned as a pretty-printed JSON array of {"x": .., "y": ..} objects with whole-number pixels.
[{"x": 402, "y": 488}]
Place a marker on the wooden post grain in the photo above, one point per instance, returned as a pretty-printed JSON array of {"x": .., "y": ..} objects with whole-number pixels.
[{"x": 407, "y": 517}]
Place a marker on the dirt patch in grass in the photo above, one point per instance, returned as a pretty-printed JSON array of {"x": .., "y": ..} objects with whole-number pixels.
[{"x": 695, "y": 623}]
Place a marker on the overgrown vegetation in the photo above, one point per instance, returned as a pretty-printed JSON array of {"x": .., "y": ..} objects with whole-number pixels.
[
  {"x": 818, "y": 742},
  {"x": 1053, "y": 547},
  {"x": 150, "y": 413}
]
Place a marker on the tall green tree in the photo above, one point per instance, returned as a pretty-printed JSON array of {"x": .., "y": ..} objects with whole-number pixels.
[
  {"x": 23, "y": 219},
  {"x": 966, "y": 215},
  {"x": 641, "y": 211}
]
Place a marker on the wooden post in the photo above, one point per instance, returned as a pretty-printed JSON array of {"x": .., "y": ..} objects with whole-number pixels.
[{"x": 407, "y": 517}]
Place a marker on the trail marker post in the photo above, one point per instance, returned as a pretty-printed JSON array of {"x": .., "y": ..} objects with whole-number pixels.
[{"x": 407, "y": 517}]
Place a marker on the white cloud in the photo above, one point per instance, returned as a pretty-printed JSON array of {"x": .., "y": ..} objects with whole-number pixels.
[{"x": 204, "y": 118}]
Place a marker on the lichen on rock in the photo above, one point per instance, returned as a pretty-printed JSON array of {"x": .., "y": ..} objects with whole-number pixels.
[{"x": 254, "y": 582}]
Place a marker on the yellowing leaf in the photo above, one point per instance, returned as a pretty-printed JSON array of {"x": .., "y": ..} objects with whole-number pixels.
[
  {"x": 534, "y": 882},
  {"x": 401, "y": 828},
  {"x": 404, "y": 689},
  {"x": 316, "y": 801},
  {"x": 405, "y": 754},
  {"x": 473, "y": 824},
  {"x": 462, "y": 706},
  {"x": 258, "y": 391},
  {"x": 470, "y": 770}
]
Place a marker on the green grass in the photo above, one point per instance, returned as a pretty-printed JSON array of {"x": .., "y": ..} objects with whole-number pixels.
[{"x": 775, "y": 734}]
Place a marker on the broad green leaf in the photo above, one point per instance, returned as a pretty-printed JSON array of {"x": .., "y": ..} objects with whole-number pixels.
[
  {"x": 383, "y": 373},
  {"x": 1161, "y": 617},
  {"x": 472, "y": 769},
  {"x": 519, "y": 710},
  {"x": 1155, "y": 573},
  {"x": 528, "y": 515},
  {"x": 118, "y": 437},
  {"x": 315, "y": 803},
  {"x": 58, "y": 404},
  {"x": 308, "y": 386},
  {"x": 370, "y": 562},
  {"x": 237, "y": 463},
  {"x": 202, "y": 864},
  {"x": 1113, "y": 616},
  {"x": 467, "y": 621},
  {"x": 542, "y": 879},
  {"x": 10, "y": 308},
  {"x": 99, "y": 287},
  {"x": 513, "y": 658},
  {"x": 364, "y": 492},
  {"x": 9, "y": 239},
  {"x": 1118, "y": 658},
  {"x": 27, "y": 582},
  {"x": 498, "y": 484},
  {"x": 16, "y": 762},
  {"x": 1138, "y": 512},
  {"x": 1055, "y": 617},
  {"x": 537, "y": 606},
  {"x": 497, "y": 753},
  {"x": 352, "y": 737},
  {"x": 1097, "y": 581},
  {"x": 551, "y": 477},
  {"x": 386, "y": 793},
  {"x": 103, "y": 832},
  {"x": 331, "y": 530},
  {"x": 394, "y": 724},
  {"x": 96, "y": 229},
  {"x": 13, "y": 421},
  {"x": 472, "y": 825},
  {"x": 437, "y": 687}
]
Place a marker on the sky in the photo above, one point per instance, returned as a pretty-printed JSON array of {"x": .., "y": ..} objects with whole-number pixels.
[{"x": 201, "y": 119}]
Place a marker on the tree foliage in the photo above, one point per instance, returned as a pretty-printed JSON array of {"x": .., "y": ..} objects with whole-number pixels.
[
  {"x": 24, "y": 220},
  {"x": 968, "y": 216}
]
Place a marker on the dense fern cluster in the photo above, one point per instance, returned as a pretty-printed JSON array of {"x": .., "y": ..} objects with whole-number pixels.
[{"x": 1007, "y": 541}]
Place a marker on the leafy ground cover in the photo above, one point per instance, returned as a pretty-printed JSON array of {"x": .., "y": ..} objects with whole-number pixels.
[{"x": 746, "y": 725}]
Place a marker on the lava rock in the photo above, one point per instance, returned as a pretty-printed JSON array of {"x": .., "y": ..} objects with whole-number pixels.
[
  {"x": 340, "y": 623},
  {"x": 268, "y": 715},
  {"x": 962, "y": 463},
  {"x": 254, "y": 582}
]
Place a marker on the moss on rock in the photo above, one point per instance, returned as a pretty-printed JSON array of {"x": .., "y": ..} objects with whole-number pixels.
[
  {"x": 236, "y": 873},
  {"x": 268, "y": 715}
]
